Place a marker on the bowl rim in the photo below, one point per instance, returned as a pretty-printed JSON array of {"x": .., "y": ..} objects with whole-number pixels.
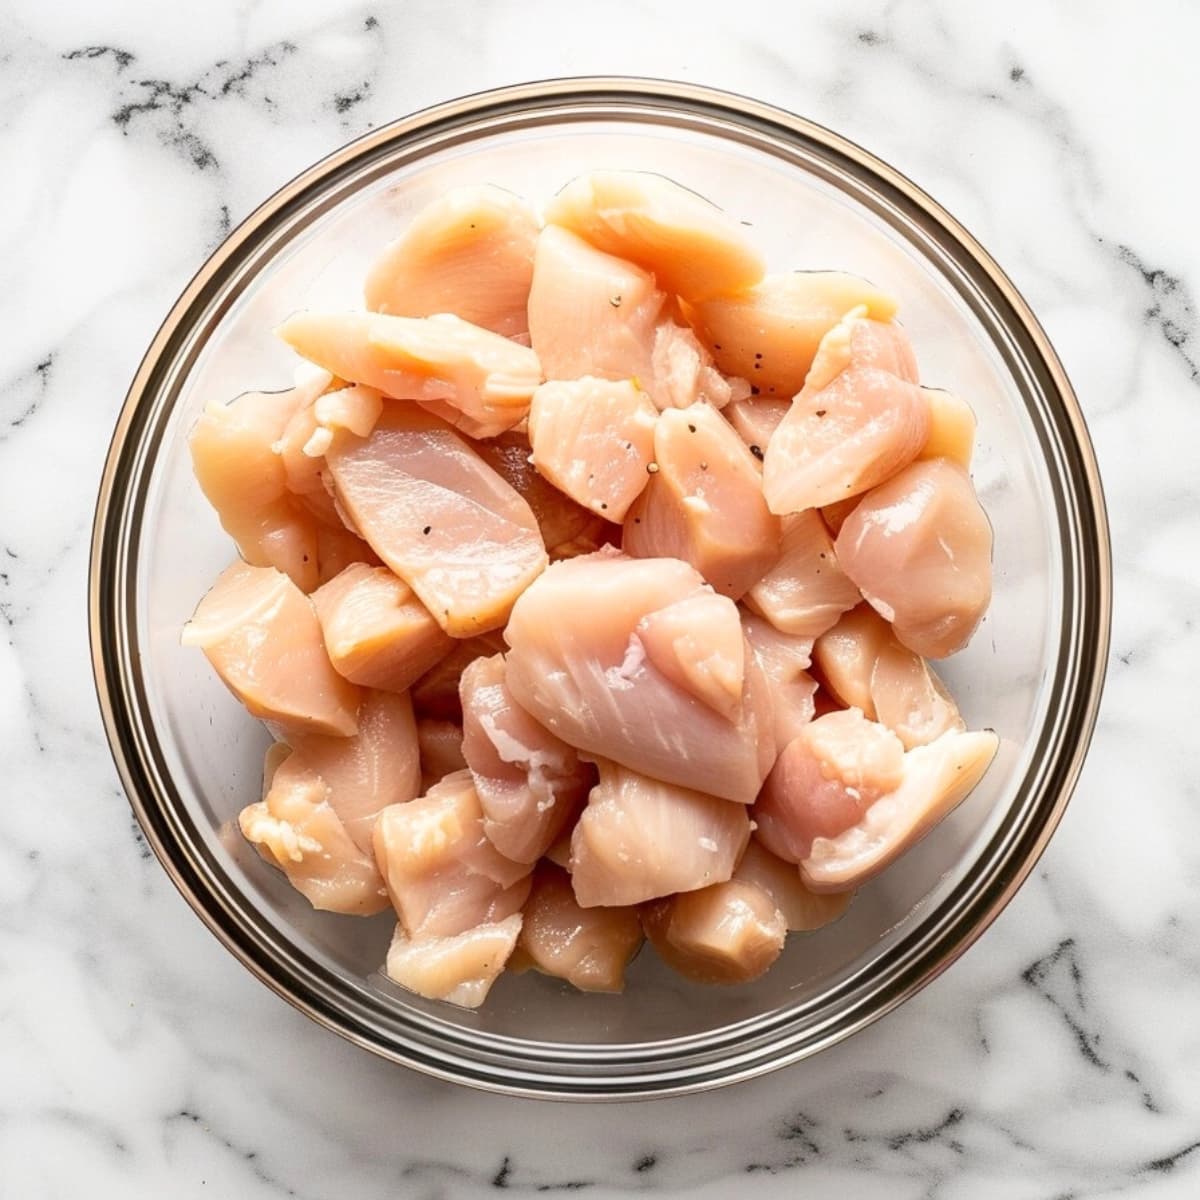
[{"x": 531, "y": 1069}]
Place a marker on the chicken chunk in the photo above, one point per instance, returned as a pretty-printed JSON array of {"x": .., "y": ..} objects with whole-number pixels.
[
  {"x": 470, "y": 252},
  {"x": 769, "y": 333},
  {"x": 951, "y": 428},
  {"x": 755, "y": 419},
  {"x": 593, "y": 439},
  {"x": 694, "y": 249},
  {"x": 589, "y": 680},
  {"x": 803, "y": 910},
  {"x": 919, "y": 548},
  {"x": 435, "y": 694},
  {"x": 458, "y": 968},
  {"x": 481, "y": 381},
  {"x": 588, "y": 947},
  {"x": 440, "y": 517},
  {"x": 440, "y": 743},
  {"x": 443, "y": 875},
  {"x": 529, "y": 782},
  {"x": 705, "y": 503},
  {"x": 805, "y": 590},
  {"x": 338, "y": 549},
  {"x": 262, "y": 637},
  {"x": 859, "y": 419},
  {"x": 377, "y": 633},
  {"x": 639, "y": 839},
  {"x": 728, "y": 933},
  {"x": 682, "y": 371},
  {"x": 784, "y": 659}
]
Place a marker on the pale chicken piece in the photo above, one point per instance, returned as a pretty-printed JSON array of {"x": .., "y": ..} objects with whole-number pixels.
[
  {"x": 435, "y": 694},
  {"x": 587, "y": 679},
  {"x": 694, "y": 248},
  {"x": 305, "y": 475},
  {"x": 377, "y": 633},
  {"x": 682, "y": 371},
  {"x": 440, "y": 517},
  {"x": 834, "y": 515},
  {"x": 784, "y": 660},
  {"x": 846, "y": 655},
  {"x": 698, "y": 643},
  {"x": 951, "y": 428},
  {"x": 441, "y": 750},
  {"x": 275, "y": 757},
  {"x": 755, "y": 419},
  {"x": 803, "y": 910},
  {"x": 936, "y": 779},
  {"x": 355, "y": 408},
  {"x": 338, "y": 549},
  {"x": 588, "y": 947},
  {"x": 825, "y": 780},
  {"x": 805, "y": 591},
  {"x": 459, "y": 969},
  {"x": 560, "y": 853},
  {"x": 469, "y": 252},
  {"x": 728, "y": 933},
  {"x": 482, "y": 381},
  {"x": 859, "y": 419},
  {"x": 296, "y": 829},
  {"x": 593, "y": 439},
  {"x": 443, "y": 875},
  {"x": 705, "y": 503},
  {"x": 262, "y": 637},
  {"x": 530, "y": 784},
  {"x": 567, "y": 528},
  {"x": 241, "y": 472},
  {"x": 769, "y": 333},
  {"x": 919, "y": 548},
  {"x": 639, "y": 838},
  {"x": 591, "y": 314}
]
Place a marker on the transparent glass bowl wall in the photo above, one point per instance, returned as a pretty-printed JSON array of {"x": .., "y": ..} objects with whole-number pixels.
[{"x": 191, "y": 758}]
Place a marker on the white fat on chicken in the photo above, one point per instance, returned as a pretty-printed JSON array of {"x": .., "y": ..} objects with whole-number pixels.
[{"x": 458, "y": 968}]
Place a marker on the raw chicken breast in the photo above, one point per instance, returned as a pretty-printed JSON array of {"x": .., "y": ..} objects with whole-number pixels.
[
  {"x": 639, "y": 839},
  {"x": 728, "y": 933},
  {"x": 593, "y": 439},
  {"x": 470, "y": 252},
  {"x": 482, "y": 381},
  {"x": 859, "y": 419},
  {"x": 682, "y": 371},
  {"x": 769, "y": 333},
  {"x": 805, "y": 591},
  {"x": 242, "y": 474},
  {"x": 443, "y": 875},
  {"x": 803, "y": 910},
  {"x": 435, "y": 694},
  {"x": 377, "y": 633},
  {"x": 262, "y": 637},
  {"x": 460, "y": 968},
  {"x": 567, "y": 528},
  {"x": 363, "y": 774},
  {"x": 755, "y": 419},
  {"x": 591, "y": 314},
  {"x": 338, "y": 549},
  {"x": 784, "y": 660},
  {"x": 529, "y": 783},
  {"x": 588, "y": 947},
  {"x": 936, "y": 778},
  {"x": 441, "y": 750},
  {"x": 951, "y": 428},
  {"x": 296, "y": 829},
  {"x": 694, "y": 249},
  {"x": 834, "y": 515},
  {"x": 440, "y": 517},
  {"x": 705, "y": 503},
  {"x": 846, "y": 656},
  {"x": 825, "y": 780},
  {"x": 920, "y": 550},
  {"x": 589, "y": 681}
]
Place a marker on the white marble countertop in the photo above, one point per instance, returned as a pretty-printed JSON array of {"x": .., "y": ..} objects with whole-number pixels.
[{"x": 1059, "y": 1058}]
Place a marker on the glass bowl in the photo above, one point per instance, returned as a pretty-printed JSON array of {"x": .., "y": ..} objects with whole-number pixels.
[{"x": 189, "y": 757}]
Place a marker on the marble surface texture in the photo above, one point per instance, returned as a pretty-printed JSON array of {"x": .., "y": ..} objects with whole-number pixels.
[{"x": 1059, "y": 1058}]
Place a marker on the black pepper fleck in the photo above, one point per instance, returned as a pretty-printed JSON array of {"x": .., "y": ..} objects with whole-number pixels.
[
  {"x": 757, "y": 452},
  {"x": 691, "y": 429},
  {"x": 426, "y": 531},
  {"x": 615, "y": 301},
  {"x": 754, "y": 389},
  {"x": 822, "y": 411}
]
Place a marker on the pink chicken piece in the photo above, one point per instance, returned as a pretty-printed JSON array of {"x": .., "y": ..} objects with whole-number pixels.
[
  {"x": 755, "y": 419},
  {"x": 859, "y": 419},
  {"x": 639, "y": 839},
  {"x": 705, "y": 503},
  {"x": 469, "y": 252},
  {"x": 441, "y": 518},
  {"x": 805, "y": 590},
  {"x": 588, "y": 947},
  {"x": 589, "y": 679},
  {"x": 440, "y": 744},
  {"x": 803, "y": 909},
  {"x": 262, "y": 637},
  {"x": 442, "y": 874},
  {"x": 784, "y": 660},
  {"x": 457, "y": 968},
  {"x": 377, "y": 633},
  {"x": 481, "y": 382},
  {"x": 435, "y": 694},
  {"x": 529, "y": 783},
  {"x": 919, "y": 549}
]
